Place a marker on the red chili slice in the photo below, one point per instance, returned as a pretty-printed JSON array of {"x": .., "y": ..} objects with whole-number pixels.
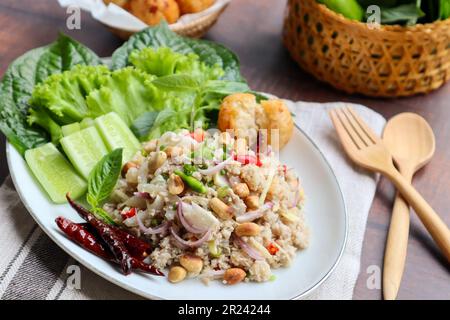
[{"x": 128, "y": 214}]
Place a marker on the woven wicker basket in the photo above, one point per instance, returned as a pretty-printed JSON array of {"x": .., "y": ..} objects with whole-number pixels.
[
  {"x": 390, "y": 61},
  {"x": 194, "y": 29}
]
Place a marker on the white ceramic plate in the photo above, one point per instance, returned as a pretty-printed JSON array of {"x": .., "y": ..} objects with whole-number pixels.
[{"x": 325, "y": 212}]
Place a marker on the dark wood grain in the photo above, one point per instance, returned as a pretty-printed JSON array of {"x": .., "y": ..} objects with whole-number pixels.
[{"x": 252, "y": 28}]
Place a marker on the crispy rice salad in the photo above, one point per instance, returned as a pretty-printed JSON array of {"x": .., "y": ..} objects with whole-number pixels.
[{"x": 212, "y": 207}]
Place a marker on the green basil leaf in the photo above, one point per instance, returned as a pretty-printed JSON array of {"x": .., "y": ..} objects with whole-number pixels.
[
  {"x": 224, "y": 87},
  {"x": 161, "y": 36},
  {"x": 103, "y": 215},
  {"x": 103, "y": 178},
  {"x": 144, "y": 123}
]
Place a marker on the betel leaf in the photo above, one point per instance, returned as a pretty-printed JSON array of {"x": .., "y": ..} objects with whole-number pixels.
[
  {"x": 62, "y": 55},
  {"x": 20, "y": 79},
  {"x": 143, "y": 124},
  {"x": 161, "y": 36},
  {"x": 15, "y": 90},
  {"x": 103, "y": 177}
]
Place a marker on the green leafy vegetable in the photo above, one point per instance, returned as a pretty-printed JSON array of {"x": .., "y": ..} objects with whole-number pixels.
[
  {"x": 144, "y": 123},
  {"x": 348, "y": 8},
  {"x": 403, "y": 13},
  {"x": 64, "y": 95},
  {"x": 102, "y": 181},
  {"x": 18, "y": 83},
  {"x": 178, "y": 82},
  {"x": 212, "y": 54},
  {"x": 165, "y": 62},
  {"x": 128, "y": 92},
  {"x": 43, "y": 119},
  {"x": 64, "y": 54},
  {"x": 444, "y": 9}
]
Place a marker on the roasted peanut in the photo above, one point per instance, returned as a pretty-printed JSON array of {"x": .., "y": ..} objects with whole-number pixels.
[
  {"x": 191, "y": 263},
  {"x": 173, "y": 151},
  {"x": 175, "y": 184},
  {"x": 127, "y": 167},
  {"x": 221, "y": 209},
  {"x": 156, "y": 161},
  {"x": 177, "y": 274},
  {"x": 234, "y": 276},
  {"x": 252, "y": 202},
  {"x": 241, "y": 189},
  {"x": 132, "y": 176},
  {"x": 247, "y": 229},
  {"x": 150, "y": 146}
]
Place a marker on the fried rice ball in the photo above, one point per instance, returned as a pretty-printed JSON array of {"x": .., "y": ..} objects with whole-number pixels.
[
  {"x": 193, "y": 6},
  {"x": 241, "y": 113},
  {"x": 153, "y": 11}
]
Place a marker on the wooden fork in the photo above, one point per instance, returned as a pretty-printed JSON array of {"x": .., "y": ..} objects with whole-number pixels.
[{"x": 366, "y": 149}]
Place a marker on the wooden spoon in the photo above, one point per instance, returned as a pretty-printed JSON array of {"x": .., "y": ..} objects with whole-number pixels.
[{"x": 411, "y": 141}]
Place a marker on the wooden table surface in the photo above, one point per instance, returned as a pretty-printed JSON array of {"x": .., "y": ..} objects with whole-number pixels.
[{"x": 252, "y": 29}]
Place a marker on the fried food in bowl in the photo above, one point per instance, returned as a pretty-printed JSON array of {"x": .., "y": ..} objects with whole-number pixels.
[
  {"x": 153, "y": 11},
  {"x": 194, "y": 6}
]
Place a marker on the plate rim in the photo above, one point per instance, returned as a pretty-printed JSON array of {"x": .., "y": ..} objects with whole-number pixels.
[{"x": 147, "y": 295}]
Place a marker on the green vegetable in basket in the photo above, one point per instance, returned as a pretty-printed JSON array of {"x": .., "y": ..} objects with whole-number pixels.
[
  {"x": 348, "y": 8},
  {"x": 444, "y": 9},
  {"x": 403, "y": 12}
]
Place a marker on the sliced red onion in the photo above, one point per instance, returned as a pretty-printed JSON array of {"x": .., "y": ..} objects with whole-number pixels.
[
  {"x": 190, "y": 244},
  {"x": 252, "y": 253},
  {"x": 217, "y": 168},
  {"x": 189, "y": 227},
  {"x": 143, "y": 195},
  {"x": 160, "y": 229},
  {"x": 253, "y": 215}
]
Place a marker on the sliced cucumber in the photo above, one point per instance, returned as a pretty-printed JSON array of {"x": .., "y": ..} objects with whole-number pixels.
[
  {"x": 84, "y": 149},
  {"x": 86, "y": 123},
  {"x": 55, "y": 173},
  {"x": 116, "y": 134},
  {"x": 68, "y": 129}
]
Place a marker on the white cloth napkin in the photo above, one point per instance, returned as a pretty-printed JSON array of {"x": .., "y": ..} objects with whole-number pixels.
[{"x": 33, "y": 267}]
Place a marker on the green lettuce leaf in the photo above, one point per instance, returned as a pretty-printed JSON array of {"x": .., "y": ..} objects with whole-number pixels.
[
  {"x": 128, "y": 92},
  {"x": 64, "y": 95},
  {"x": 20, "y": 79},
  {"x": 165, "y": 62}
]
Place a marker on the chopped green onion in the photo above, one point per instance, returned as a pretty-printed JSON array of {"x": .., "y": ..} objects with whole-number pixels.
[
  {"x": 189, "y": 169},
  {"x": 214, "y": 251}
]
